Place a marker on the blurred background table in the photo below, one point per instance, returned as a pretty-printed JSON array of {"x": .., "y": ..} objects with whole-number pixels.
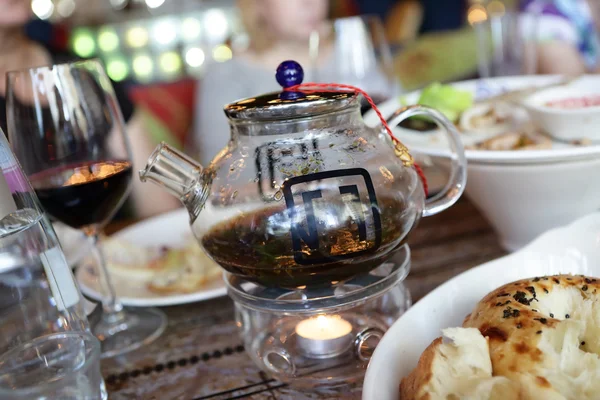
[{"x": 200, "y": 355}]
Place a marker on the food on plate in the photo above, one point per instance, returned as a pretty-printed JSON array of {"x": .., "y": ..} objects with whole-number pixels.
[
  {"x": 504, "y": 122},
  {"x": 540, "y": 334},
  {"x": 456, "y": 366},
  {"x": 164, "y": 270},
  {"x": 184, "y": 271},
  {"x": 517, "y": 140},
  {"x": 486, "y": 118},
  {"x": 497, "y": 119},
  {"x": 130, "y": 261},
  {"x": 567, "y": 114},
  {"x": 572, "y": 103},
  {"x": 447, "y": 99}
]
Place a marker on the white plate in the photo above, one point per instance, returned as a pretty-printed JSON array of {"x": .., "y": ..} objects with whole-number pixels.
[
  {"x": 572, "y": 249},
  {"x": 170, "y": 229},
  {"x": 434, "y": 143}
]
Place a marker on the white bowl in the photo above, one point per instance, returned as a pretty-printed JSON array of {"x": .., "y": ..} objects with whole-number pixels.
[
  {"x": 573, "y": 249},
  {"x": 435, "y": 143},
  {"x": 567, "y": 124},
  {"x": 522, "y": 192},
  {"x": 522, "y": 201}
]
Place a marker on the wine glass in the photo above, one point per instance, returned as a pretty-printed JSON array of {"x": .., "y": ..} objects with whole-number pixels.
[
  {"x": 67, "y": 130},
  {"x": 354, "y": 51},
  {"x": 506, "y": 42}
]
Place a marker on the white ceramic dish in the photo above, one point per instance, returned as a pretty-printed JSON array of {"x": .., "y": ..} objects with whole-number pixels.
[
  {"x": 434, "y": 143},
  {"x": 521, "y": 201},
  {"x": 567, "y": 124},
  {"x": 170, "y": 229},
  {"x": 572, "y": 249}
]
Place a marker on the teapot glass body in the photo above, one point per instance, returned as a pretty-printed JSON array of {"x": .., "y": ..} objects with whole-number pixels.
[{"x": 303, "y": 201}]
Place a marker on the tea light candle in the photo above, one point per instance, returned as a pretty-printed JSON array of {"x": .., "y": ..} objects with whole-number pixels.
[{"x": 324, "y": 336}]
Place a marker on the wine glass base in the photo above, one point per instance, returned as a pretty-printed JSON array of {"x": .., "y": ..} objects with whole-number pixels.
[{"x": 129, "y": 330}]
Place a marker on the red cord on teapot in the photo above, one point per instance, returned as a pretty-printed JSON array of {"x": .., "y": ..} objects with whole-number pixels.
[{"x": 311, "y": 87}]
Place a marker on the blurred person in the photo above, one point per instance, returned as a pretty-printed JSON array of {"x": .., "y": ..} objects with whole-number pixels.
[
  {"x": 440, "y": 16},
  {"x": 17, "y": 52},
  {"x": 567, "y": 34},
  {"x": 423, "y": 15},
  {"x": 403, "y": 21},
  {"x": 278, "y": 30}
]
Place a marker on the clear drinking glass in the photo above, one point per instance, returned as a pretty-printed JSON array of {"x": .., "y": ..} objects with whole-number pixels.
[
  {"x": 63, "y": 366},
  {"x": 354, "y": 51},
  {"x": 38, "y": 294},
  {"x": 67, "y": 130},
  {"x": 506, "y": 43}
]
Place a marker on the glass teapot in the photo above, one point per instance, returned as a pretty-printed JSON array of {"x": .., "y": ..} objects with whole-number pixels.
[{"x": 304, "y": 193}]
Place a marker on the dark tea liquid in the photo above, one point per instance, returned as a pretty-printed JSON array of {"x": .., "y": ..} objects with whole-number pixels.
[{"x": 259, "y": 247}]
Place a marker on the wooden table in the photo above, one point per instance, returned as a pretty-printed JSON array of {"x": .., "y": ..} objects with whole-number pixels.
[{"x": 200, "y": 356}]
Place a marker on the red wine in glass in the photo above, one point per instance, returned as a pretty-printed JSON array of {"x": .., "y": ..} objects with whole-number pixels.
[
  {"x": 83, "y": 194},
  {"x": 70, "y": 137}
]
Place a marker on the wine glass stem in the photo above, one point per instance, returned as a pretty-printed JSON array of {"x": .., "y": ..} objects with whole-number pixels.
[{"x": 113, "y": 309}]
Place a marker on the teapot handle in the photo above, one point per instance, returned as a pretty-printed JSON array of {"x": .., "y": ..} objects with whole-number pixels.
[{"x": 458, "y": 173}]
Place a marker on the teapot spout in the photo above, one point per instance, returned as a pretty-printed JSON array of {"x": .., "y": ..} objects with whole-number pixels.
[{"x": 178, "y": 174}]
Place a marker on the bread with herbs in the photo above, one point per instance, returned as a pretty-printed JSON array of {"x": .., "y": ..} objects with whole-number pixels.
[{"x": 542, "y": 336}]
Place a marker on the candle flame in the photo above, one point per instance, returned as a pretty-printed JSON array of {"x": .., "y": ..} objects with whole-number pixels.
[{"x": 324, "y": 327}]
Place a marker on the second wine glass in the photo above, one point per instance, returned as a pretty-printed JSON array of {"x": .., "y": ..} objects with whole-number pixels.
[
  {"x": 354, "y": 51},
  {"x": 67, "y": 130}
]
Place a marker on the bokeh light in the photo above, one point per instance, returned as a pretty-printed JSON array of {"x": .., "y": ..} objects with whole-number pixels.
[
  {"x": 119, "y": 4},
  {"x": 191, "y": 28},
  {"x": 164, "y": 32},
  {"x": 108, "y": 40},
  {"x": 154, "y": 3},
  {"x": 117, "y": 69},
  {"x": 137, "y": 37},
  {"x": 222, "y": 53},
  {"x": 170, "y": 62},
  {"x": 194, "y": 57},
  {"x": 476, "y": 14},
  {"x": 143, "y": 66},
  {"x": 216, "y": 24},
  {"x": 65, "y": 8},
  {"x": 43, "y": 9},
  {"x": 83, "y": 43},
  {"x": 496, "y": 8}
]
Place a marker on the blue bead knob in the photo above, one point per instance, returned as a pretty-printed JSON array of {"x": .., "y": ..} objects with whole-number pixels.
[{"x": 289, "y": 73}]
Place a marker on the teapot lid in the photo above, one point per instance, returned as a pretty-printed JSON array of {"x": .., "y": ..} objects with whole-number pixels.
[{"x": 290, "y": 104}]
